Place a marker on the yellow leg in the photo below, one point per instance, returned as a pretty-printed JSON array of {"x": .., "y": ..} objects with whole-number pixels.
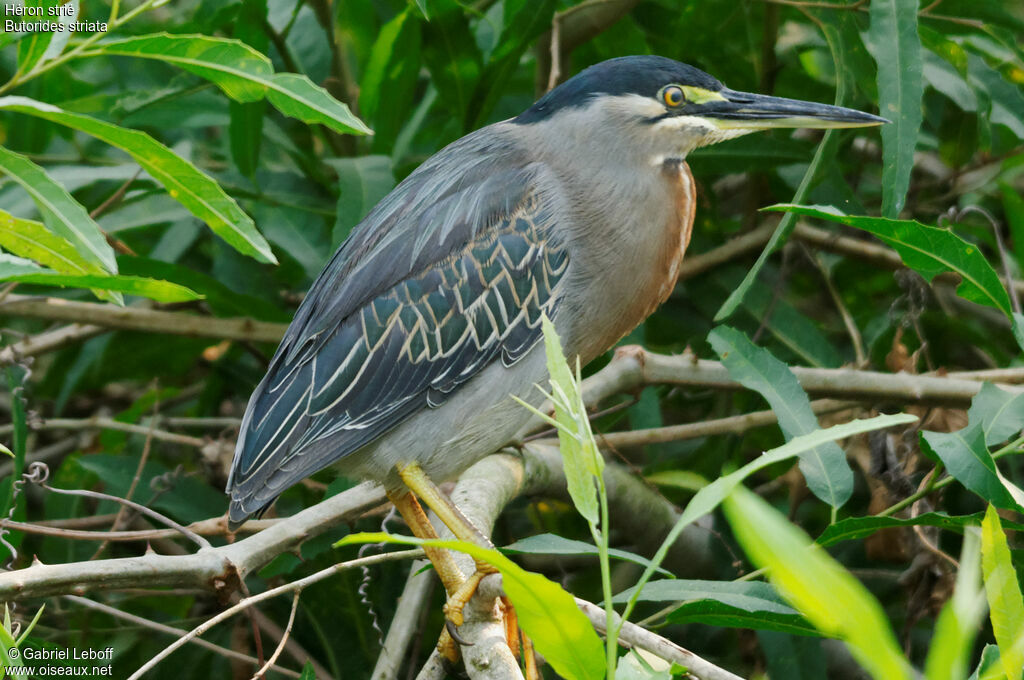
[
  {"x": 451, "y": 576},
  {"x": 421, "y": 485},
  {"x": 449, "y": 573},
  {"x": 417, "y": 480}
]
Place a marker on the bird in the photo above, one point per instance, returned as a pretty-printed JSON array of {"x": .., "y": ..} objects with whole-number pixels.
[{"x": 402, "y": 360}]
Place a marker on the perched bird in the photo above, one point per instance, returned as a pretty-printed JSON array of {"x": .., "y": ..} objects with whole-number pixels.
[{"x": 400, "y": 361}]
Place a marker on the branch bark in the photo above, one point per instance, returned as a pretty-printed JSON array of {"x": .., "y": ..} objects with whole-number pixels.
[{"x": 140, "y": 319}]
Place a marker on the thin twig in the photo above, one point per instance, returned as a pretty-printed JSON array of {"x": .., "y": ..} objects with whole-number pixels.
[
  {"x": 268, "y": 594},
  {"x": 163, "y": 519},
  {"x": 632, "y": 635},
  {"x": 50, "y": 341},
  {"x": 141, "y": 319},
  {"x": 732, "y": 424},
  {"x": 169, "y": 630},
  {"x": 123, "y": 510},
  {"x": 837, "y": 300},
  {"x": 284, "y": 639},
  {"x": 102, "y": 423}
]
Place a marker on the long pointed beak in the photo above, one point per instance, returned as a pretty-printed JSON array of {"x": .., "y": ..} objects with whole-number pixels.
[{"x": 742, "y": 110}]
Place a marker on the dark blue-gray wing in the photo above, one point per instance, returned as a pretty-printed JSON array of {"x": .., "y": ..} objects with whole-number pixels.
[{"x": 408, "y": 347}]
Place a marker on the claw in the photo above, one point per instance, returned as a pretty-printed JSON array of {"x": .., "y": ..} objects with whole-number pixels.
[{"x": 453, "y": 630}]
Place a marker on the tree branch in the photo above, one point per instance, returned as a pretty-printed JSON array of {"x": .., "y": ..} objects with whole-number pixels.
[{"x": 140, "y": 319}]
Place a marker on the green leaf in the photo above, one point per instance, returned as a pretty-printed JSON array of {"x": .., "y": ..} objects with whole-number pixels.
[
  {"x": 858, "y": 527},
  {"x": 680, "y": 479},
  {"x": 993, "y": 416},
  {"x": 32, "y": 47},
  {"x": 451, "y": 55},
  {"x": 32, "y": 240},
  {"x": 1013, "y": 206},
  {"x": 362, "y": 182},
  {"x": 818, "y": 586},
  {"x": 968, "y": 460},
  {"x": 708, "y": 498},
  {"x": 524, "y": 20},
  {"x": 546, "y": 612},
  {"x": 958, "y": 621},
  {"x": 551, "y": 544},
  {"x": 25, "y": 271},
  {"x": 834, "y": 39},
  {"x": 828, "y": 474},
  {"x": 733, "y": 604},
  {"x": 245, "y": 132},
  {"x": 61, "y": 212},
  {"x": 927, "y": 250},
  {"x": 1002, "y": 588},
  {"x": 897, "y": 49},
  {"x": 243, "y": 74},
  {"x": 184, "y": 182},
  {"x": 238, "y": 70},
  {"x": 297, "y": 96},
  {"x": 989, "y": 667},
  {"x": 389, "y": 77},
  {"x": 582, "y": 461},
  {"x": 308, "y": 672},
  {"x": 1000, "y": 413}
]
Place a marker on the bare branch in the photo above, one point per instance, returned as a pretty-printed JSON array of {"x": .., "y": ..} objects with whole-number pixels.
[
  {"x": 214, "y": 569},
  {"x": 284, "y": 639},
  {"x": 140, "y": 319},
  {"x": 633, "y": 635},
  {"x": 50, "y": 341}
]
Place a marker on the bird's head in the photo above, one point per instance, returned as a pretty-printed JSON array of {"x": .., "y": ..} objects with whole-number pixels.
[{"x": 664, "y": 109}]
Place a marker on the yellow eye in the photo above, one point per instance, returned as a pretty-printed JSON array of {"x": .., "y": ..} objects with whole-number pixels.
[{"x": 673, "y": 96}]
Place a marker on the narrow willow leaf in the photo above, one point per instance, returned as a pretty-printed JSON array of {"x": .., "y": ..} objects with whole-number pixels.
[
  {"x": 362, "y": 182},
  {"x": 958, "y": 621},
  {"x": 818, "y": 586},
  {"x": 184, "y": 182},
  {"x": 709, "y": 497},
  {"x": 551, "y": 544},
  {"x": 858, "y": 527},
  {"x": 243, "y": 74},
  {"x": 927, "y": 250},
  {"x": 297, "y": 96},
  {"x": 59, "y": 41},
  {"x": 64, "y": 214},
  {"x": 711, "y": 613},
  {"x": 524, "y": 21},
  {"x": 1013, "y": 206},
  {"x": 994, "y": 415},
  {"x": 546, "y": 612},
  {"x": 1005, "y": 602},
  {"x": 237, "y": 69},
  {"x": 828, "y": 474},
  {"x": 32, "y": 240},
  {"x": 1000, "y": 413},
  {"x": 25, "y": 271},
  {"x": 989, "y": 667},
  {"x": 451, "y": 55},
  {"x": 967, "y": 458},
  {"x": 896, "y": 47},
  {"x": 733, "y": 604},
  {"x": 32, "y": 48},
  {"x": 826, "y": 148},
  {"x": 389, "y": 76},
  {"x": 582, "y": 461}
]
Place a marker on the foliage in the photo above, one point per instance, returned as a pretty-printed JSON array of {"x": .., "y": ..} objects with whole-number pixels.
[{"x": 204, "y": 159}]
